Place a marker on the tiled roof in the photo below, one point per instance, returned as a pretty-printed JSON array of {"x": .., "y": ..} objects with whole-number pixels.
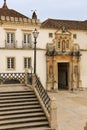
[
  {"x": 5, "y": 11},
  {"x": 69, "y": 24},
  {"x": 11, "y": 13}
]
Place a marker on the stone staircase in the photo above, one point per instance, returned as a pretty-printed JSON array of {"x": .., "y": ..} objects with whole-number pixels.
[{"x": 20, "y": 110}]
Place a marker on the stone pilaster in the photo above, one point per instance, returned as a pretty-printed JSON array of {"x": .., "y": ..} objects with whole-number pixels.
[
  {"x": 70, "y": 75},
  {"x": 79, "y": 80},
  {"x": 26, "y": 73},
  {"x": 47, "y": 74},
  {"x": 54, "y": 74},
  {"x": 47, "y": 68},
  {"x": 53, "y": 114}
]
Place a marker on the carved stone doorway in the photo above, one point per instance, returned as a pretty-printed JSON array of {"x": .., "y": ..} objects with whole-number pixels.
[{"x": 63, "y": 76}]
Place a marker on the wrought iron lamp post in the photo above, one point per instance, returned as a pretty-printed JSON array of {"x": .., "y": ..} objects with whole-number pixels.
[{"x": 35, "y": 35}]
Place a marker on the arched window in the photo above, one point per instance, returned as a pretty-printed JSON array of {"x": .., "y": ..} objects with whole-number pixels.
[
  {"x": 58, "y": 43},
  {"x": 67, "y": 44}
]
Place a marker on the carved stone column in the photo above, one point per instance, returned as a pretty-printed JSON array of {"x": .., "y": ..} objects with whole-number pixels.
[
  {"x": 79, "y": 80},
  {"x": 47, "y": 68},
  {"x": 54, "y": 74},
  {"x": 48, "y": 82},
  {"x": 74, "y": 73},
  {"x": 53, "y": 114},
  {"x": 70, "y": 75}
]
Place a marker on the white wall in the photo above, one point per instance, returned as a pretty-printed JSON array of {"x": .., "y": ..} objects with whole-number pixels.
[
  {"x": 19, "y": 56},
  {"x": 81, "y": 38},
  {"x": 42, "y": 40},
  {"x": 83, "y": 69},
  {"x": 41, "y": 66}
]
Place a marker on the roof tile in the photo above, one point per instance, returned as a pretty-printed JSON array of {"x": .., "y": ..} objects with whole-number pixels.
[{"x": 69, "y": 24}]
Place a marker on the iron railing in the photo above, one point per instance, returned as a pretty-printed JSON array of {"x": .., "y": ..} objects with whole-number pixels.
[
  {"x": 10, "y": 45},
  {"x": 42, "y": 93},
  {"x": 26, "y": 45}
]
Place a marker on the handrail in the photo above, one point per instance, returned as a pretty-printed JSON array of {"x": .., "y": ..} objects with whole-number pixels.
[
  {"x": 48, "y": 105},
  {"x": 42, "y": 93}
]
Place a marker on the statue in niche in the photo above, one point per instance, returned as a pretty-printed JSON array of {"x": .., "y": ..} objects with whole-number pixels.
[
  {"x": 51, "y": 71},
  {"x": 75, "y": 72},
  {"x": 63, "y": 45}
]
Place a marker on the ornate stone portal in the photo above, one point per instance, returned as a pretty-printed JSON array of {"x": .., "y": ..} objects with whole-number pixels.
[{"x": 63, "y": 62}]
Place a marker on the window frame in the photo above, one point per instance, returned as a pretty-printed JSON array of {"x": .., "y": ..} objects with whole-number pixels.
[
  {"x": 11, "y": 63},
  {"x": 10, "y": 37},
  {"x": 50, "y": 35},
  {"x": 27, "y": 38},
  {"x": 67, "y": 44},
  {"x": 58, "y": 44},
  {"x": 27, "y": 62},
  {"x": 74, "y": 36}
]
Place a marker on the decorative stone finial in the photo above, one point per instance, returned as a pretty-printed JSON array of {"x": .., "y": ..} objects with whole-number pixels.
[
  {"x": 63, "y": 29},
  {"x": 5, "y": 5},
  {"x": 34, "y": 16}
]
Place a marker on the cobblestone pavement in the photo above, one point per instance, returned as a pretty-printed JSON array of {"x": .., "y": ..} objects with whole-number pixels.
[{"x": 72, "y": 109}]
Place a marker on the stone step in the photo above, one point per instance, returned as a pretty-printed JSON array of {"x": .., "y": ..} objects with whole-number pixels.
[
  {"x": 23, "y": 125},
  {"x": 19, "y": 107},
  {"x": 4, "y": 92},
  {"x": 23, "y": 115},
  {"x": 19, "y": 104},
  {"x": 20, "y": 111},
  {"x": 17, "y": 97},
  {"x": 28, "y": 119},
  {"x": 8, "y": 101},
  {"x": 41, "y": 128},
  {"x": 17, "y": 91},
  {"x": 16, "y": 94}
]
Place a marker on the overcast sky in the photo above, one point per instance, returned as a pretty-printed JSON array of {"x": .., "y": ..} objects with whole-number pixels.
[{"x": 55, "y": 9}]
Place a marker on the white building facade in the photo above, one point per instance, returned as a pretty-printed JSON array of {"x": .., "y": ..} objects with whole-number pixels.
[{"x": 61, "y": 50}]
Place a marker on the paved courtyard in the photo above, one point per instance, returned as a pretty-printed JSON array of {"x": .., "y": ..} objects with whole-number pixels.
[{"x": 72, "y": 109}]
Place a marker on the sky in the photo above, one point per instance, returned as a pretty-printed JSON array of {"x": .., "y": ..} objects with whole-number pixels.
[{"x": 55, "y": 9}]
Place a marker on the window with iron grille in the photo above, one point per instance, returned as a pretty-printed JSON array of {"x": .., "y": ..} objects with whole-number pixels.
[
  {"x": 11, "y": 63},
  {"x": 50, "y": 35},
  {"x": 58, "y": 43},
  {"x": 27, "y": 62},
  {"x": 27, "y": 38},
  {"x": 74, "y": 36},
  {"x": 10, "y": 37}
]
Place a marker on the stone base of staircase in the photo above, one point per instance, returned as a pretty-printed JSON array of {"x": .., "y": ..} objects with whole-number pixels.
[{"x": 20, "y": 110}]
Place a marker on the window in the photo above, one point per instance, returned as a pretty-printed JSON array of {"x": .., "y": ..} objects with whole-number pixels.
[
  {"x": 27, "y": 38},
  {"x": 58, "y": 43},
  {"x": 10, "y": 37},
  {"x": 27, "y": 62},
  {"x": 74, "y": 36},
  {"x": 11, "y": 63},
  {"x": 67, "y": 44},
  {"x": 50, "y": 35}
]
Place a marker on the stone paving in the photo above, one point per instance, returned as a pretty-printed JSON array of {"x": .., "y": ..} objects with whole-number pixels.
[{"x": 72, "y": 109}]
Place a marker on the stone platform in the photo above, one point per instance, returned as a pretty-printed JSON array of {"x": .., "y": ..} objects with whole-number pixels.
[{"x": 72, "y": 109}]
